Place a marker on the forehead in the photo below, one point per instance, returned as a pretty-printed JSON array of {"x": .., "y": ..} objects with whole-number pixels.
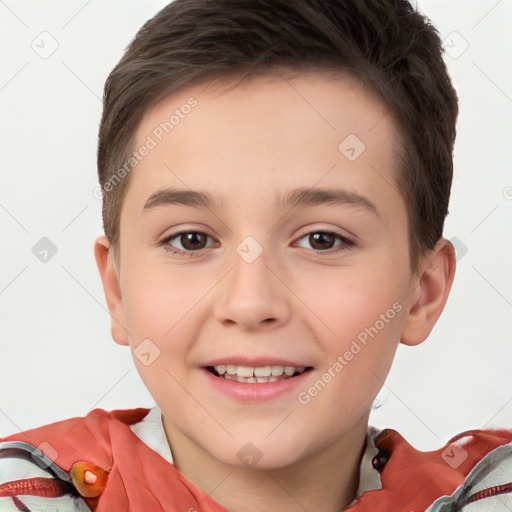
[{"x": 227, "y": 136}]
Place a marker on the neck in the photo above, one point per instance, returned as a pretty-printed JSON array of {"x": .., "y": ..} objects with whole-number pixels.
[{"x": 325, "y": 481}]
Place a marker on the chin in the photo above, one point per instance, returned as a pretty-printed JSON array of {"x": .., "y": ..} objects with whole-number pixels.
[{"x": 260, "y": 453}]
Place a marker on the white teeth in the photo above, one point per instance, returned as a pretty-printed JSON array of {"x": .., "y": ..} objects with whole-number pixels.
[
  {"x": 256, "y": 374},
  {"x": 289, "y": 370},
  {"x": 230, "y": 368},
  {"x": 261, "y": 380},
  {"x": 277, "y": 370},
  {"x": 245, "y": 371},
  {"x": 263, "y": 371}
]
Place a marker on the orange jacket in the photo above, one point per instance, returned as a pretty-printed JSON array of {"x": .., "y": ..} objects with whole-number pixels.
[{"x": 98, "y": 462}]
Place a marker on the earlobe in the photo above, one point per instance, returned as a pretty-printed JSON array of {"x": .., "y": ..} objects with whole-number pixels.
[
  {"x": 433, "y": 288},
  {"x": 112, "y": 290}
]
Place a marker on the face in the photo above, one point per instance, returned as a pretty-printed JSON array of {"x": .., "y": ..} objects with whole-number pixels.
[{"x": 269, "y": 314}]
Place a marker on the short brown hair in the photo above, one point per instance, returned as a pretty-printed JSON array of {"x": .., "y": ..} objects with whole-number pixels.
[{"x": 387, "y": 44}]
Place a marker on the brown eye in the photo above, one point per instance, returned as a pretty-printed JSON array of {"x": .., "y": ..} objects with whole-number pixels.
[
  {"x": 325, "y": 241},
  {"x": 192, "y": 241},
  {"x": 321, "y": 240},
  {"x": 186, "y": 242}
]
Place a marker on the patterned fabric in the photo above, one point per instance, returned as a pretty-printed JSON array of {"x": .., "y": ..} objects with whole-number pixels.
[{"x": 120, "y": 461}]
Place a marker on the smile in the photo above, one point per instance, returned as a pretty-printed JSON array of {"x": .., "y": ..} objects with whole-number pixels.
[{"x": 256, "y": 375}]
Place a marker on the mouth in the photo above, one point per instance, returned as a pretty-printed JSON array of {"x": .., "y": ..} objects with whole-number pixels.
[{"x": 258, "y": 374}]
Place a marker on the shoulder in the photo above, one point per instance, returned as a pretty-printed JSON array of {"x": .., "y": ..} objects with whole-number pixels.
[
  {"x": 471, "y": 472},
  {"x": 487, "y": 479},
  {"x": 31, "y": 481},
  {"x": 49, "y": 468}
]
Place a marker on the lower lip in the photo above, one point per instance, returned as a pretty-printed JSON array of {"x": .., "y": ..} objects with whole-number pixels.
[{"x": 253, "y": 392}]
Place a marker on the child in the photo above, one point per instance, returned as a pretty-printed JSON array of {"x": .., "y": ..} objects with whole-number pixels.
[{"x": 308, "y": 144}]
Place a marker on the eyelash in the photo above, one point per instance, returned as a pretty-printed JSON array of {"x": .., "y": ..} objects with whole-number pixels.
[{"x": 347, "y": 242}]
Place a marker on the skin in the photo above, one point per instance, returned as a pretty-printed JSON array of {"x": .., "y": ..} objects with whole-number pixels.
[{"x": 295, "y": 301}]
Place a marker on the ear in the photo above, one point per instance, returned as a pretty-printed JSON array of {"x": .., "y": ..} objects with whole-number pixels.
[
  {"x": 112, "y": 290},
  {"x": 435, "y": 282}
]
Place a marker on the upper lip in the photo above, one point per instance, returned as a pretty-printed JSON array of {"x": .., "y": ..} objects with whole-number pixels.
[{"x": 254, "y": 362}]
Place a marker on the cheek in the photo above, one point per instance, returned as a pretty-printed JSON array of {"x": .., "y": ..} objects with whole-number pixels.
[
  {"x": 156, "y": 318},
  {"x": 351, "y": 379},
  {"x": 156, "y": 299},
  {"x": 351, "y": 301},
  {"x": 165, "y": 305},
  {"x": 361, "y": 319}
]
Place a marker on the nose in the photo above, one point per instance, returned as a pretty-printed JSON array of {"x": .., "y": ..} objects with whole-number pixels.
[{"x": 253, "y": 295}]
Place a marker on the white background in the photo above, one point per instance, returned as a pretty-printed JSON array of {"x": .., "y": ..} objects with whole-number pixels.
[{"x": 57, "y": 357}]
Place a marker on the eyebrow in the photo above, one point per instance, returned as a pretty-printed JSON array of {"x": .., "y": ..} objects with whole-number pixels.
[
  {"x": 294, "y": 198},
  {"x": 324, "y": 196},
  {"x": 169, "y": 196}
]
